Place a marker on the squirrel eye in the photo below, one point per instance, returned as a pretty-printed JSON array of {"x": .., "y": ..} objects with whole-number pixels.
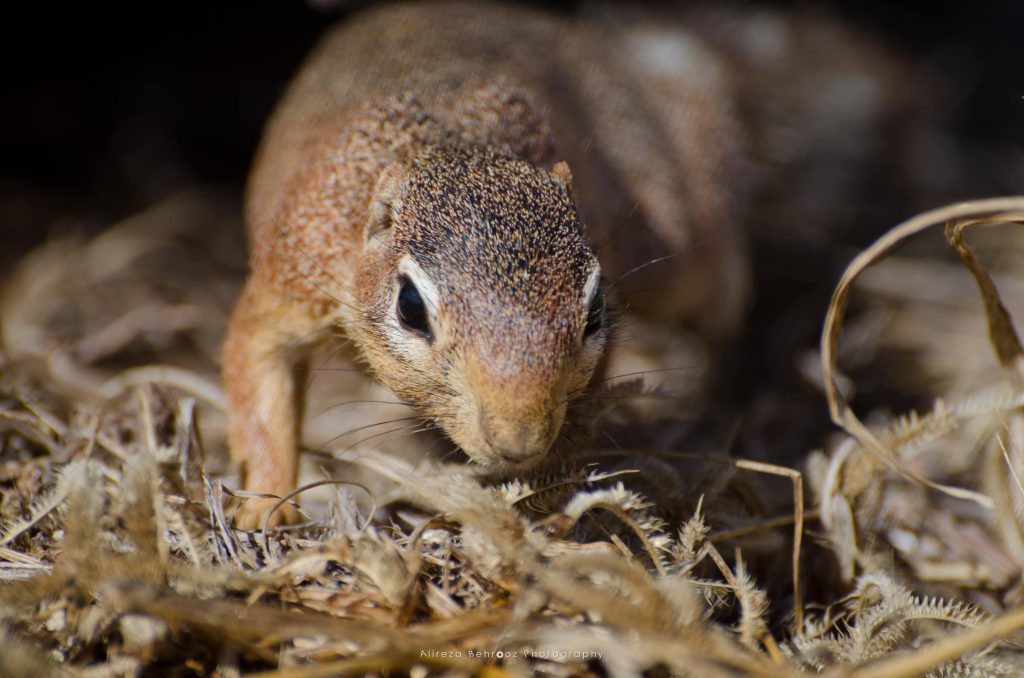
[
  {"x": 595, "y": 314},
  {"x": 412, "y": 311}
]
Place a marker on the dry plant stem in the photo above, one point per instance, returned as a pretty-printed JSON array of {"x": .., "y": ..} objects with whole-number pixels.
[
  {"x": 730, "y": 579},
  {"x": 44, "y": 506},
  {"x": 167, "y": 375},
  {"x": 692, "y": 648},
  {"x": 475, "y": 623},
  {"x": 299, "y": 490},
  {"x": 772, "y": 648},
  {"x": 146, "y": 405},
  {"x": 13, "y": 556},
  {"x": 631, "y": 524},
  {"x": 383, "y": 663},
  {"x": 241, "y": 623},
  {"x": 1003, "y": 336},
  {"x": 12, "y": 532},
  {"x": 24, "y": 425},
  {"x": 947, "y": 649},
  {"x": 108, "y": 340},
  {"x": 218, "y": 523},
  {"x": 1006, "y": 456},
  {"x": 569, "y": 482},
  {"x": 992, "y": 211},
  {"x": 780, "y": 521},
  {"x": 798, "y": 525},
  {"x": 562, "y": 582},
  {"x": 51, "y": 421}
]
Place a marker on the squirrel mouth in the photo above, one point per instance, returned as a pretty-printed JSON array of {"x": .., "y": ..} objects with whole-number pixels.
[
  {"x": 516, "y": 446},
  {"x": 516, "y": 459}
]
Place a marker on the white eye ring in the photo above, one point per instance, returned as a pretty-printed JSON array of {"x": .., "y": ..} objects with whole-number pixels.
[
  {"x": 595, "y": 305},
  {"x": 593, "y": 282},
  {"x": 408, "y": 267}
]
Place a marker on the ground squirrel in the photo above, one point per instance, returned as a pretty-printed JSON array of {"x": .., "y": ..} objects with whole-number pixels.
[{"x": 439, "y": 184}]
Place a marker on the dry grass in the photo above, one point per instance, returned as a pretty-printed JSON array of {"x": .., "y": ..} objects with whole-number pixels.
[{"x": 117, "y": 555}]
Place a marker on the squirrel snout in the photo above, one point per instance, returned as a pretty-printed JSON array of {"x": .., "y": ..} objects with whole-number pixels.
[
  {"x": 517, "y": 437},
  {"x": 517, "y": 443}
]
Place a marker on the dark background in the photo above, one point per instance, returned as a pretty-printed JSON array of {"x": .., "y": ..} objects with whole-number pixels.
[{"x": 105, "y": 111}]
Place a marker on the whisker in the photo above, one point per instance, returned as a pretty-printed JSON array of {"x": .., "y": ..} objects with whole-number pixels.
[
  {"x": 367, "y": 403},
  {"x": 433, "y": 445},
  {"x": 643, "y": 372},
  {"x": 618, "y": 229},
  {"x": 377, "y": 435},
  {"x": 406, "y": 434},
  {"x": 625, "y": 323},
  {"x": 450, "y": 453},
  {"x": 634, "y": 396},
  {"x": 645, "y": 265},
  {"x": 422, "y": 429},
  {"x": 336, "y": 369},
  {"x": 367, "y": 426},
  {"x": 609, "y": 437},
  {"x": 623, "y": 293},
  {"x": 382, "y": 443},
  {"x": 581, "y": 397},
  {"x": 334, "y": 351}
]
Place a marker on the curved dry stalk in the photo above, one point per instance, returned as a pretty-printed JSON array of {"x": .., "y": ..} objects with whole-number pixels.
[
  {"x": 628, "y": 521},
  {"x": 956, "y": 218},
  {"x": 1003, "y": 336},
  {"x": 167, "y": 375},
  {"x": 299, "y": 490},
  {"x": 949, "y": 648},
  {"x": 797, "y": 479}
]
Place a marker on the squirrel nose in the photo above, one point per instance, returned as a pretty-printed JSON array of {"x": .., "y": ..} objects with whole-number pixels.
[
  {"x": 523, "y": 445},
  {"x": 515, "y": 442}
]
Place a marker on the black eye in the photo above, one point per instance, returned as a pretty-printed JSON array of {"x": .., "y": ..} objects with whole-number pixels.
[
  {"x": 412, "y": 311},
  {"x": 595, "y": 314}
]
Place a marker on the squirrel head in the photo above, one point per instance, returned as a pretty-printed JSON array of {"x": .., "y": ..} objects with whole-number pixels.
[{"x": 480, "y": 299}]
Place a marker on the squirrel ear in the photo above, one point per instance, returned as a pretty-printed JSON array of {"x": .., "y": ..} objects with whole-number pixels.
[
  {"x": 384, "y": 205},
  {"x": 562, "y": 173}
]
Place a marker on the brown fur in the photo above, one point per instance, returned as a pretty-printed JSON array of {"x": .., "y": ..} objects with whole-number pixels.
[{"x": 431, "y": 132}]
